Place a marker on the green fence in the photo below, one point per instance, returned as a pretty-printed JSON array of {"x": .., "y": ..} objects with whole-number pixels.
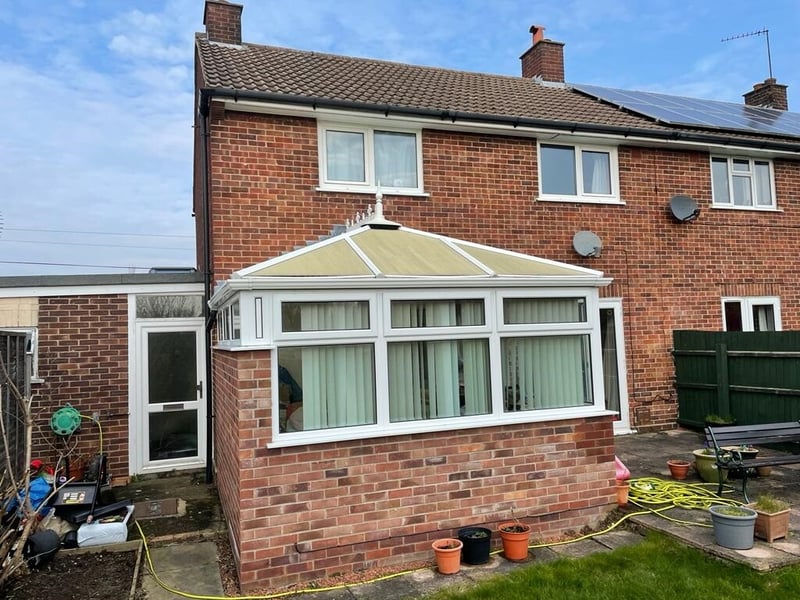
[{"x": 753, "y": 377}]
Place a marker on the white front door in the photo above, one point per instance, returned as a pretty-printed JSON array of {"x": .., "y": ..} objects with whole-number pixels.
[
  {"x": 169, "y": 412},
  {"x": 615, "y": 377}
]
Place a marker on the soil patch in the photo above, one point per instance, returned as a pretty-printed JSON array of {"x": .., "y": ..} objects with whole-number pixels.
[{"x": 78, "y": 576}]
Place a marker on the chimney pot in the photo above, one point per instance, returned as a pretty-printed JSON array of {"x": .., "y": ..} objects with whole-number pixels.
[
  {"x": 538, "y": 33},
  {"x": 545, "y": 58}
]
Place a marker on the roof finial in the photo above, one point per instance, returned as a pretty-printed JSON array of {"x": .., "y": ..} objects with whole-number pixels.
[{"x": 373, "y": 217}]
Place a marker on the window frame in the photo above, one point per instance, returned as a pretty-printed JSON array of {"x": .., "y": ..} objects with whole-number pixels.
[
  {"x": 32, "y": 350},
  {"x": 747, "y": 303},
  {"x": 370, "y": 184},
  {"x": 381, "y": 334},
  {"x": 751, "y": 174},
  {"x": 580, "y": 195}
]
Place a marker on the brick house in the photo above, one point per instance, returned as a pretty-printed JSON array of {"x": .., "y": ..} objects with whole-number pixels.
[
  {"x": 128, "y": 352},
  {"x": 515, "y": 218}
]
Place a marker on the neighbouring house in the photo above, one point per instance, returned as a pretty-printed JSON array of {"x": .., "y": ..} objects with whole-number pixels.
[
  {"x": 129, "y": 353},
  {"x": 499, "y": 263}
]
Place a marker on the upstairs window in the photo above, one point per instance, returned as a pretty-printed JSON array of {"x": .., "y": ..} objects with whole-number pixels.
[
  {"x": 742, "y": 182},
  {"x": 578, "y": 173},
  {"x": 362, "y": 158},
  {"x": 751, "y": 314}
]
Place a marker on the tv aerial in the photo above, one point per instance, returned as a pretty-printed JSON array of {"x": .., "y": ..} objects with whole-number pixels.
[{"x": 765, "y": 33}]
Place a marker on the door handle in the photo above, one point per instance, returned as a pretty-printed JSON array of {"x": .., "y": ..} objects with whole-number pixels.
[{"x": 200, "y": 389}]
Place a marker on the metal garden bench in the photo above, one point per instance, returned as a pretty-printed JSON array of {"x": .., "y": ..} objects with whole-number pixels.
[{"x": 722, "y": 438}]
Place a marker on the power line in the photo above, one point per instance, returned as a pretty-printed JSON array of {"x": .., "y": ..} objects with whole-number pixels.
[
  {"x": 95, "y": 245},
  {"x": 51, "y": 264},
  {"x": 97, "y": 232}
]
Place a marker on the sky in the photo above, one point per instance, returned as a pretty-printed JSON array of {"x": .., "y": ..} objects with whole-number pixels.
[{"x": 96, "y": 96}]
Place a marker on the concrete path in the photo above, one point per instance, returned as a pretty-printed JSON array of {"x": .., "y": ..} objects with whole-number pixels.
[{"x": 186, "y": 566}]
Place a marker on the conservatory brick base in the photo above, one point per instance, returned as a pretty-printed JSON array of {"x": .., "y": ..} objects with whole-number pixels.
[{"x": 307, "y": 512}]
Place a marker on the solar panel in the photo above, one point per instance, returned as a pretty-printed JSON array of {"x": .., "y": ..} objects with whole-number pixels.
[{"x": 679, "y": 110}]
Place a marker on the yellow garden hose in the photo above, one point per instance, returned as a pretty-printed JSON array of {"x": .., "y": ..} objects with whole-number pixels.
[{"x": 653, "y": 495}]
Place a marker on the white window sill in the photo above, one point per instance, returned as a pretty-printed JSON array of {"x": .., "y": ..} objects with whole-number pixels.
[
  {"x": 372, "y": 191},
  {"x": 747, "y": 208},
  {"x": 321, "y": 436},
  {"x": 580, "y": 200}
]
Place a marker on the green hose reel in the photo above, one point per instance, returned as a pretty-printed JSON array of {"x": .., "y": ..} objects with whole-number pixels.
[{"x": 65, "y": 420}]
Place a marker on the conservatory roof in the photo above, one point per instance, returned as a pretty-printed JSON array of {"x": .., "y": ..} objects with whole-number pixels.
[{"x": 380, "y": 253}]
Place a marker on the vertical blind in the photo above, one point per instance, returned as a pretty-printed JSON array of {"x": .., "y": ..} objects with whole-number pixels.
[
  {"x": 545, "y": 371},
  {"x": 438, "y": 378}
]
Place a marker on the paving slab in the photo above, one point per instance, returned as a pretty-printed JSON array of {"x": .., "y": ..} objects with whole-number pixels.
[{"x": 187, "y": 567}]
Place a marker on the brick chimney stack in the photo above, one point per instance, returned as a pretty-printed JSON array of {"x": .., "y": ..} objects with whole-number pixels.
[
  {"x": 769, "y": 94},
  {"x": 545, "y": 58},
  {"x": 223, "y": 21}
]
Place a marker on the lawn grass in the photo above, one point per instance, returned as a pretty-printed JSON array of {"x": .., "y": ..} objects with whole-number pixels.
[{"x": 658, "y": 567}]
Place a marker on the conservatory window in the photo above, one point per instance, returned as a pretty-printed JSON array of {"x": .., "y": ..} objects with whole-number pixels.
[
  {"x": 438, "y": 378},
  {"x": 323, "y": 386},
  {"x": 545, "y": 371}
]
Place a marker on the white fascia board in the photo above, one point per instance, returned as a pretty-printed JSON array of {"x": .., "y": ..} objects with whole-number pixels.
[
  {"x": 273, "y": 284},
  {"x": 730, "y": 144},
  {"x": 101, "y": 290}
]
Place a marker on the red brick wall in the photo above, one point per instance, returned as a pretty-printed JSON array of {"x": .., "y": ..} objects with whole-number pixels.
[
  {"x": 482, "y": 188},
  {"x": 83, "y": 359},
  {"x": 311, "y": 511}
]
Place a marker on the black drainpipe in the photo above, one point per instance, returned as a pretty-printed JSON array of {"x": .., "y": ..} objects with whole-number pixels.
[{"x": 209, "y": 316}]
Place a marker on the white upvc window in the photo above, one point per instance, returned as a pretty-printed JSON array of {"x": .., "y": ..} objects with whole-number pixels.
[
  {"x": 578, "y": 173},
  {"x": 546, "y": 353},
  {"x": 31, "y": 349},
  {"x": 396, "y": 362},
  {"x": 755, "y": 313},
  {"x": 229, "y": 323},
  {"x": 359, "y": 159},
  {"x": 741, "y": 182}
]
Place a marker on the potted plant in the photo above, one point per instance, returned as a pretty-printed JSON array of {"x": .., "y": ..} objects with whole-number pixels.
[
  {"x": 705, "y": 463},
  {"x": 714, "y": 419},
  {"x": 448, "y": 555},
  {"x": 734, "y": 526},
  {"x": 516, "y": 539},
  {"x": 477, "y": 544},
  {"x": 678, "y": 468},
  {"x": 772, "y": 520}
]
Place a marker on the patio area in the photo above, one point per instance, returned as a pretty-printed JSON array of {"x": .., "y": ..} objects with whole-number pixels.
[{"x": 646, "y": 455}]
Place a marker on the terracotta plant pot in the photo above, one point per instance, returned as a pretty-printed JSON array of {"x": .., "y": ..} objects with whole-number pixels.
[
  {"x": 448, "y": 555},
  {"x": 622, "y": 493},
  {"x": 678, "y": 468},
  {"x": 516, "y": 539}
]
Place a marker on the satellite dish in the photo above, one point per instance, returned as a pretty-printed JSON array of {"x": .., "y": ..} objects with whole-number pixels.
[
  {"x": 683, "y": 208},
  {"x": 587, "y": 243}
]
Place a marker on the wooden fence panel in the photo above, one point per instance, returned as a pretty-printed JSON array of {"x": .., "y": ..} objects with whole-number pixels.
[{"x": 753, "y": 377}]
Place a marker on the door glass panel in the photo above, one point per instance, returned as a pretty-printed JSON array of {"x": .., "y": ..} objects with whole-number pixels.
[
  {"x": 168, "y": 307},
  {"x": 608, "y": 342},
  {"x": 172, "y": 367},
  {"x": 173, "y": 434}
]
